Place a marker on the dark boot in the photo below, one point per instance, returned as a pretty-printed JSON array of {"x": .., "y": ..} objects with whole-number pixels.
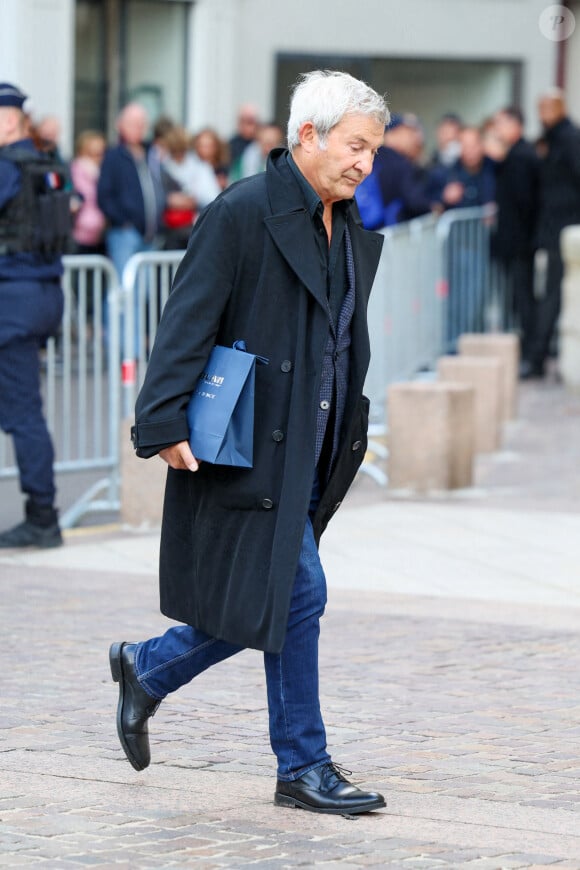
[{"x": 39, "y": 529}]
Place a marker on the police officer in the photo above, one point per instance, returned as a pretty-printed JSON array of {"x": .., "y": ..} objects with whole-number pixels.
[{"x": 31, "y": 307}]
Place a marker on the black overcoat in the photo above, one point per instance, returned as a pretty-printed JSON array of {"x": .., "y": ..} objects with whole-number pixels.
[
  {"x": 517, "y": 179},
  {"x": 559, "y": 184},
  {"x": 231, "y": 537}
]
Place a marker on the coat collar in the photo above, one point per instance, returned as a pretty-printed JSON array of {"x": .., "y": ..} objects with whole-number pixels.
[{"x": 290, "y": 226}]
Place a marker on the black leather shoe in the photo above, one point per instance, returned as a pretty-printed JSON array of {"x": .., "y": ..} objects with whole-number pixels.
[
  {"x": 326, "y": 790},
  {"x": 134, "y": 708}
]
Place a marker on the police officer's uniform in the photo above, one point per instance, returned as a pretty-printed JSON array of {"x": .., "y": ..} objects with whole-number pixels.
[{"x": 31, "y": 307}]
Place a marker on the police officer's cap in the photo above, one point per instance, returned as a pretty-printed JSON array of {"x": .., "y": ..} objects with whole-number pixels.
[{"x": 10, "y": 95}]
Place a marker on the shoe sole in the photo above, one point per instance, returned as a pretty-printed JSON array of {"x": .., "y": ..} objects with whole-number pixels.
[
  {"x": 282, "y": 800},
  {"x": 116, "y": 664}
]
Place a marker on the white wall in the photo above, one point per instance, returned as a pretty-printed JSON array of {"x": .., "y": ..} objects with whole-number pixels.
[
  {"x": 37, "y": 53},
  {"x": 155, "y": 53},
  {"x": 237, "y": 41}
]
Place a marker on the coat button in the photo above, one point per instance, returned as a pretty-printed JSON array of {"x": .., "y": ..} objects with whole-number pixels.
[
  {"x": 267, "y": 504},
  {"x": 286, "y": 365},
  {"x": 278, "y": 435},
  {"x": 325, "y": 405},
  {"x": 356, "y": 445}
]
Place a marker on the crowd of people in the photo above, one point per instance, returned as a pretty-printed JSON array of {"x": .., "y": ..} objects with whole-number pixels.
[
  {"x": 133, "y": 197},
  {"x": 146, "y": 190},
  {"x": 534, "y": 185}
]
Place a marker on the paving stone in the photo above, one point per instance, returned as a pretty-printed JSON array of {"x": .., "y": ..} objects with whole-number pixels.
[{"x": 466, "y": 717}]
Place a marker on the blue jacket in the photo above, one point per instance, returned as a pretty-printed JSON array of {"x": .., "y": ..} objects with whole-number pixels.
[
  {"x": 22, "y": 266},
  {"x": 402, "y": 193},
  {"x": 119, "y": 192},
  {"x": 479, "y": 187}
]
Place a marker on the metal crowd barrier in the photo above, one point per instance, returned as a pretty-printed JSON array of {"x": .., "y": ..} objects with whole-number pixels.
[
  {"x": 81, "y": 385},
  {"x": 479, "y": 298},
  {"x": 147, "y": 280},
  {"x": 406, "y": 309},
  {"x": 435, "y": 281}
]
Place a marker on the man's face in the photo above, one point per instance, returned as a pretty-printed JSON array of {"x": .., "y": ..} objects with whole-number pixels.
[
  {"x": 132, "y": 125},
  {"x": 447, "y": 131},
  {"x": 471, "y": 149},
  {"x": 337, "y": 168},
  {"x": 507, "y": 129},
  {"x": 9, "y": 124},
  {"x": 551, "y": 110}
]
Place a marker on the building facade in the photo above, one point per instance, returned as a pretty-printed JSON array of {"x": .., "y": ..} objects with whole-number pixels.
[{"x": 197, "y": 60}]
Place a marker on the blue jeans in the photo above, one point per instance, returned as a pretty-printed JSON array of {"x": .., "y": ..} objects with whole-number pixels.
[
  {"x": 297, "y": 733},
  {"x": 121, "y": 243}
]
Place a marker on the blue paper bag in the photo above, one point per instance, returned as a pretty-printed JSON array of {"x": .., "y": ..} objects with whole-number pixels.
[{"x": 220, "y": 412}]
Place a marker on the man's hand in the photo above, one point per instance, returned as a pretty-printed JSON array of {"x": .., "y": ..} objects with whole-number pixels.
[
  {"x": 453, "y": 193},
  {"x": 179, "y": 456}
]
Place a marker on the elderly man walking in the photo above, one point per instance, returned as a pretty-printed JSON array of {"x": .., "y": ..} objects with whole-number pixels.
[{"x": 281, "y": 261}]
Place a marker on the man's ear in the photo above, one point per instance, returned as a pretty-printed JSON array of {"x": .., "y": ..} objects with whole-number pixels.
[{"x": 308, "y": 136}]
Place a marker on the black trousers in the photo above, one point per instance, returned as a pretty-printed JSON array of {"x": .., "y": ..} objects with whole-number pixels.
[
  {"x": 548, "y": 310},
  {"x": 518, "y": 276}
]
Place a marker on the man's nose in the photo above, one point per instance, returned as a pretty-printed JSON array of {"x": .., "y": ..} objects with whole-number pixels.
[{"x": 365, "y": 164}]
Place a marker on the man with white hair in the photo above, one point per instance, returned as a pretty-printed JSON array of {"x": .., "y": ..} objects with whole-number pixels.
[
  {"x": 281, "y": 261},
  {"x": 127, "y": 191}
]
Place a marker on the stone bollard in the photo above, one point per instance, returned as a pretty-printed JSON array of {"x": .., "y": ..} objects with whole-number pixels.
[
  {"x": 485, "y": 375},
  {"x": 503, "y": 346},
  {"x": 431, "y": 436},
  {"x": 569, "y": 328},
  {"x": 142, "y": 484}
]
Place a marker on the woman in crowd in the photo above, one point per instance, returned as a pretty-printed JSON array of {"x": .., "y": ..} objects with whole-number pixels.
[
  {"x": 89, "y": 220},
  {"x": 189, "y": 183},
  {"x": 209, "y": 147}
]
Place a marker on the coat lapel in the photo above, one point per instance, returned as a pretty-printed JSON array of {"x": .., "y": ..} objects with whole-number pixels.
[
  {"x": 292, "y": 235},
  {"x": 290, "y": 226}
]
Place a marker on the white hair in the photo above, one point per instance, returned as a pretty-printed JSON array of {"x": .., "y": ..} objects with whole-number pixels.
[{"x": 324, "y": 97}]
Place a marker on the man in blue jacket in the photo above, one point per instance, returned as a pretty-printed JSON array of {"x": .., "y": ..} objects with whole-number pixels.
[
  {"x": 31, "y": 306},
  {"x": 128, "y": 194},
  {"x": 393, "y": 192}
]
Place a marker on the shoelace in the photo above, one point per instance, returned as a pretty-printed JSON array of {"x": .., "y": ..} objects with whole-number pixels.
[{"x": 335, "y": 770}]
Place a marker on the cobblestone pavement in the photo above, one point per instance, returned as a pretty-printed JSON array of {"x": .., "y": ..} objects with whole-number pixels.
[{"x": 464, "y": 713}]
